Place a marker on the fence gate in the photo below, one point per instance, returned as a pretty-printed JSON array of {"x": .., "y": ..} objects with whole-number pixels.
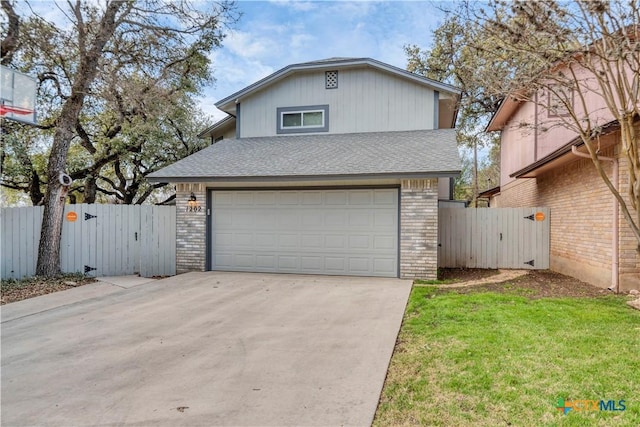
[
  {"x": 494, "y": 238},
  {"x": 98, "y": 240}
]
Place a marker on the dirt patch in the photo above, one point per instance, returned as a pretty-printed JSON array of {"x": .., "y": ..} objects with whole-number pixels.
[
  {"x": 465, "y": 274},
  {"x": 535, "y": 284},
  {"x": 17, "y": 290}
]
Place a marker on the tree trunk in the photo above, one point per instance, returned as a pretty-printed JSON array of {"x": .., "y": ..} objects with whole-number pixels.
[
  {"x": 49, "y": 249},
  {"x": 475, "y": 172},
  {"x": 34, "y": 189},
  {"x": 90, "y": 189}
]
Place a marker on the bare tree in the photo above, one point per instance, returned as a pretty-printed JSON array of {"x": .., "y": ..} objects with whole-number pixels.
[
  {"x": 455, "y": 58},
  {"x": 562, "y": 56}
]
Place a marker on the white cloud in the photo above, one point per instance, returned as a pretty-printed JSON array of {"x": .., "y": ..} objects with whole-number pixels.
[
  {"x": 302, "y": 41},
  {"x": 249, "y": 44},
  {"x": 297, "y": 5}
]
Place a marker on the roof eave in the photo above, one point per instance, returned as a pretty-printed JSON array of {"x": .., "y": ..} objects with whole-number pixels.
[
  {"x": 280, "y": 178},
  {"x": 507, "y": 108},
  {"x": 216, "y": 125},
  {"x": 564, "y": 150}
]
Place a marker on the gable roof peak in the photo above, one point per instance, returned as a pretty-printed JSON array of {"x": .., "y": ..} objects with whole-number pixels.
[{"x": 228, "y": 104}]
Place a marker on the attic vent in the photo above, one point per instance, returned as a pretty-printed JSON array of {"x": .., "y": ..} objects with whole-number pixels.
[{"x": 331, "y": 79}]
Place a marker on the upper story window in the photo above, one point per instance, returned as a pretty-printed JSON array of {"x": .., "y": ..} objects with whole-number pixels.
[
  {"x": 313, "y": 118},
  {"x": 560, "y": 100}
]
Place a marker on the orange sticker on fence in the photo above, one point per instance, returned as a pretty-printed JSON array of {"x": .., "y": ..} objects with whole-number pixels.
[
  {"x": 540, "y": 216},
  {"x": 72, "y": 216}
]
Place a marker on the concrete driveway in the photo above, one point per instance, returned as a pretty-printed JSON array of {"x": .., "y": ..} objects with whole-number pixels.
[{"x": 204, "y": 349}]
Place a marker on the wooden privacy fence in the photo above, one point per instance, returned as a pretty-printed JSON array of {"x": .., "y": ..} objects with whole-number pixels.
[
  {"x": 494, "y": 238},
  {"x": 98, "y": 240}
]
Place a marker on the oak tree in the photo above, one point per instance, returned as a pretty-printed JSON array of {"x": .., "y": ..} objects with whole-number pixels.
[{"x": 104, "y": 70}]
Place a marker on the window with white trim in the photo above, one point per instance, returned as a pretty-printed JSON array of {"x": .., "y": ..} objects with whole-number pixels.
[{"x": 305, "y": 119}]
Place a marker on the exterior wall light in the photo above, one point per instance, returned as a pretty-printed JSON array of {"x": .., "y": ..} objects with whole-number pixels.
[{"x": 193, "y": 201}]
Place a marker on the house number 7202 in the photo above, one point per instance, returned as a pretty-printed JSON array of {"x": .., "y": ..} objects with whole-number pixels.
[{"x": 193, "y": 209}]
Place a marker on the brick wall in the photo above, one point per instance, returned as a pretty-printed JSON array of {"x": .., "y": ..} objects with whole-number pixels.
[
  {"x": 581, "y": 221},
  {"x": 191, "y": 229},
  {"x": 419, "y": 229}
]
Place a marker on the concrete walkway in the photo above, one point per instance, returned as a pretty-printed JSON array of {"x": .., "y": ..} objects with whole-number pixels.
[
  {"x": 104, "y": 286},
  {"x": 204, "y": 349}
]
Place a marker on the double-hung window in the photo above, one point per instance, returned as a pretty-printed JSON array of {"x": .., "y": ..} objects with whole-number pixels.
[{"x": 306, "y": 119}]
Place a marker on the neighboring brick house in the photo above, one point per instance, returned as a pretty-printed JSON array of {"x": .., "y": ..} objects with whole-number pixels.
[
  {"x": 327, "y": 167},
  {"x": 539, "y": 168}
]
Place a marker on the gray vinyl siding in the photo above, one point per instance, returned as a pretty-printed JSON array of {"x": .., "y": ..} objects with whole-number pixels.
[
  {"x": 367, "y": 100},
  {"x": 230, "y": 134}
]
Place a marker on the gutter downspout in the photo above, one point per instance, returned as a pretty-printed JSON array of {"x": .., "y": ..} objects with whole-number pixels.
[{"x": 616, "y": 221}]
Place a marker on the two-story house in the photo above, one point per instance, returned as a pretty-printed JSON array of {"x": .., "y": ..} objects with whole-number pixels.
[
  {"x": 545, "y": 163},
  {"x": 326, "y": 167}
]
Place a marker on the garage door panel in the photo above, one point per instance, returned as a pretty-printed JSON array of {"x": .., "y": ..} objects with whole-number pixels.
[
  {"x": 223, "y": 239},
  {"x": 223, "y": 219},
  {"x": 334, "y": 242},
  {"x": 244, "y": 260},
  {"x": 288, "y": 262},
  {"x": 350, "y": 232},
  {"x": 385, "y": 197},
  {"x": 384, "y": 265},
  {"x": 265, "y": 198},
  {"x": 288, "y": 241},
  {"x": 384, "y": 242},
  {"x": 223, "y": 260},
  {"x": 359, "y": 265},
  {"x": 311, "y": 198},
  {"x": 334, "y": 264},
  {"x": 359, "y": 242},
  {"x": 384, "y": 219},
  {"x": 361, "y": 219},
  {"x": 243, "y": 199},
  {"x": 336, "y": 197},
  {"x": 311, "y": 219},
  {"x": 223, "y": 199},
  {"x": 335, "y": 219},
  {"x": 266, "y": 261},
  {"x": 362, "y": 197},
  {"x": 263, "y": 240},
  {"x": 289, "y": 198},
  {"x": 311, "y": 241},
  {"x": 311, "y": 263},
  {"x": 243, "y": 219},
  {"x": 265, "y": 220}
]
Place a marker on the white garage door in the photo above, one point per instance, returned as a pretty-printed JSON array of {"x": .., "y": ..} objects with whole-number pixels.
[{"x": 345, "y": 232}]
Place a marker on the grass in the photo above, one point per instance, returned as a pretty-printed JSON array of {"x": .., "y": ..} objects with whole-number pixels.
[{"x": 488, "y": 359}]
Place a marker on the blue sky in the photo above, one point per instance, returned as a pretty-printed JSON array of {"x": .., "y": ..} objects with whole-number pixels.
[{"x": 276, "y": 33}]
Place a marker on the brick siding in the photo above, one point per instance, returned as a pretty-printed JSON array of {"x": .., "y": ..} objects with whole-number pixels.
[
  {"x": 419, "y": 229},
  {"x": 190, "y": 229},
  {"x": 581, "y": 226}
]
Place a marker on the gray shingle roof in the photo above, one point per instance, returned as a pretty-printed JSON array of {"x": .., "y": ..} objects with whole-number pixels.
[{"x": 422, "y": 153}]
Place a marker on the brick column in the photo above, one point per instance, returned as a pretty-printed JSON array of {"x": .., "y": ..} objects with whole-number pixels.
[
  {"x": 190, "y": 229},
  {"x": 419, "y": 229}
]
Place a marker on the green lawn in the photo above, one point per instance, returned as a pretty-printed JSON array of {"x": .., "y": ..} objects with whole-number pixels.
[{"x": 491, "y": 359}]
